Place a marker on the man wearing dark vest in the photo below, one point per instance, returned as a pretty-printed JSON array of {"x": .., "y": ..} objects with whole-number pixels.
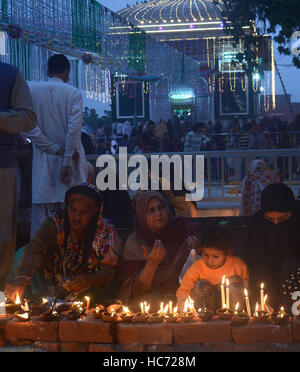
[{"x": 16, "y": 115}]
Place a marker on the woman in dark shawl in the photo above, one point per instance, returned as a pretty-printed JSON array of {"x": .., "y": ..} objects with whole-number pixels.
[
  {"x": 155, "y": 253},
  {"x": 273, "y": 241}
]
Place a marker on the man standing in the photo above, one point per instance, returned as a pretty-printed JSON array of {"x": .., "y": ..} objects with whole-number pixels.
[
  {"x": 58, "y": 155},
  {"x": 194, "y": 139},
  {"x": 16, "y": 115}
]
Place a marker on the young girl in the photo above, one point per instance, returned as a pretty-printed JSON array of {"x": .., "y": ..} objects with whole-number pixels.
[{"x": 202, "y": 280}]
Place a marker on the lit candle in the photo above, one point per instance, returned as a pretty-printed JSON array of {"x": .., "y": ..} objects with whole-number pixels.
[
  {"x": 223, "y": 292},
  {"x": 88, "y": 301},
  {"x": 227, "y": 294},
  {"x": 147, "y": 307},
  {"x": 236, "y": 308},
  {"x": 175, "y": 310},
  {"x": 161, "y": 308},
  {"x": 262, "y": 295},
  {"x": 281, "y": 312},
  {"x": 142, "y": 307},
  {"x": 18, "y": 301},
  {"x": 247, "y": 303},
  {"x": 256, "y": 309},
  {"x": 170, "y": 307}
]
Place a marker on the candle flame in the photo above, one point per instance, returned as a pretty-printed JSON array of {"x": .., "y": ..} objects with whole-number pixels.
[
  {"x": 142, "y": 307},
  {"x": 126, "y": 310},
  {"x": 246, "y": 292},
  {"x": 175, "y": 310},
  {"x": 18, "y": 301},
  {"x": 262, "y": 286},
  {"x": 45, "y": 301},
  {"x": 24, "y": 316},
  {"x": 165, "y": 310},
  {"x": 282, "y": 308},
  {"x": 237, "y": 306},
  {"x": 223, "y": 280},
  {"x": 256, "y": 307},
  {"x": 161, "y": 307},
  {"x": 87, "y": 298},
  {"x": 227, "y": 282},
  {"x": 188, "y": 305}
]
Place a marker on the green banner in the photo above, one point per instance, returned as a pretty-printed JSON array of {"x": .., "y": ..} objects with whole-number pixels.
[
  {"x": 86, "y": 22},
  {"x": 137, "y": 50}
]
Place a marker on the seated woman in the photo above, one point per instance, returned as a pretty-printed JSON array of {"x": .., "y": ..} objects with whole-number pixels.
[
  {"x": 202, "y": 280},
  {"x": 74, "y": 250},
  {"x": 155, "y": 253},
  {"x": 273, "y": 241}
]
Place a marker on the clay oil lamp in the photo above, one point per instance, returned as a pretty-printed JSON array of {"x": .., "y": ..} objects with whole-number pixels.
[
  {"x": 126, "y": 315},
  {"x": 49, "y": 316},
  {"x": 12, "y": 308},
  {"x": 158, "y": 317},
  {"x": 239, "y": 318},
  {"x": 224, "y": 313},
  {"x": 39, "y": 308},
  {"x": 98, "y": 312},
  {"x": 110, "y": 316},
  {"x": 188, "y": 313},
  {"x": 22, "y": 317},
  {"x": 280, "y": 317},
  {"x": 260, "y": 316},
  {"x": 116, "y": 308},
  {"x": 172, "y": 315},
  {"x": 205, "y": 315},
  {"x": 142, "y": 316}
]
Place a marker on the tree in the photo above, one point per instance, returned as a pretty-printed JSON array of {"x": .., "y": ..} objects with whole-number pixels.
[{"x": 278, "y": 17}]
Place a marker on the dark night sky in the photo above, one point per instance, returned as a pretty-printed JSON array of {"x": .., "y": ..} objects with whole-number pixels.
[{"x": 290, "y": 75}]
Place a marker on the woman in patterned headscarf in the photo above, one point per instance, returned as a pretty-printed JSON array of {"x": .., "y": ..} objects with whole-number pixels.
[
  {"x": 258, "y": 177},
  {"x": 155, "y": 253},
  {"x": 75, "y": 249}
]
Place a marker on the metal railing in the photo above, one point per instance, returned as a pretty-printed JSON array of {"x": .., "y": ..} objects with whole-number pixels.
[
  {"x": 292, "y": 139},
  {"x": 225, "y": 170}
]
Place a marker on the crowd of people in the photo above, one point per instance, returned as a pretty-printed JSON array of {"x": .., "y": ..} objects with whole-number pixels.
[
  {"x": 75, "y": 248},
  {"x": 166, "y": 258},
  {"x": 182, "y": 136}
]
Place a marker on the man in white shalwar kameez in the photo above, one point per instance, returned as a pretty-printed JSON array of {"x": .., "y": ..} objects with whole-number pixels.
[{"x": 58, "y": 155}]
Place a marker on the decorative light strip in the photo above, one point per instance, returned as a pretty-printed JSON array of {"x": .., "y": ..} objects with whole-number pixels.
[
  {"x": 155, "y": 11},
  {"x": 273, "y": 78}
]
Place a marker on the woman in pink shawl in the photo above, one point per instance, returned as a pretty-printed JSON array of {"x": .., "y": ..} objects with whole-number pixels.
[
  {"x": 258, "y": 177},
  {"x": 155, "y": 253}
]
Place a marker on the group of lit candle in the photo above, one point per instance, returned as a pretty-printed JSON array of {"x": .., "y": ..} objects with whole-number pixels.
[{"x": 225, "y": 300}]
